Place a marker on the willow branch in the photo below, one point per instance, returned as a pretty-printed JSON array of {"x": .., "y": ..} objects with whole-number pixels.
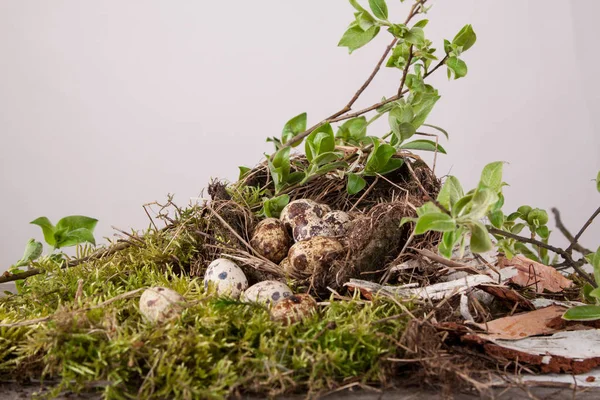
[
  {"x": 583, "y": 228},
  {"x": 569, "y": 260},
  {"x": 563, "y": 229}
]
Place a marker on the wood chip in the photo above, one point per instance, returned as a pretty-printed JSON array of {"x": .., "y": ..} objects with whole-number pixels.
[{"x": 537, "y": 276}]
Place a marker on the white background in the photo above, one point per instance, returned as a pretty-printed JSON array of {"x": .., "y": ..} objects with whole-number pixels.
[{"x": 110, "y": 104}]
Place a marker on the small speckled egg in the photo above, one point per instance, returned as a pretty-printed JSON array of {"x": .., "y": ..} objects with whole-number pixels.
[
  {"x": 159, "y": 304},
  {"x": 293, "y": 309},
  {"x": 268, "y": 292},
  {"x": 338, "y": 222},
  {"x": 297, "y": 212},
  {"x": 310, "y": 227},
  {"x": 317, "y": 253},
  {"x": 271, "y": 240},
  {"x": 226, "y": 278}
]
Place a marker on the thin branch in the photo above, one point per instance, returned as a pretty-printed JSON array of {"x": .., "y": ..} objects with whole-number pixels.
[
  {"x": 416, "y": 178},
  {"x": 572, "y": 263},
  {"x": 563, "y": 229},
  {"x": 8, "y": 277},
  {"x": 583, "y": 228},
  {"x": 405, "y": 72},
  {"x": 415, "y": 9}
]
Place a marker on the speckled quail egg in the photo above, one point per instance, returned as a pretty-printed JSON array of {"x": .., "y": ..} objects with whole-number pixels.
[
  {"x": 271, "y": 240},
  {"x": 293, "y": 309},
  {"x": 310, "y": 227},
  {"x": 267, "y": 292},
  {"x": 226, "y": 278},
  {"x": 298, "y": 211},
  {"x": 159, "y": 304},
  {"x": 284, "y": 265},
  {"x": 314, "y": 254},
  {"x": 338, "y": 222}
]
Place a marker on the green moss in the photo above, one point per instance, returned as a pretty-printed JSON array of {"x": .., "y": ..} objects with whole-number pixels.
[{"x": 217, "y": 347}]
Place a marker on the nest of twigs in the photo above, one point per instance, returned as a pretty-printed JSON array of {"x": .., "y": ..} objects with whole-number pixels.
[{"x": 375, "y": 242}]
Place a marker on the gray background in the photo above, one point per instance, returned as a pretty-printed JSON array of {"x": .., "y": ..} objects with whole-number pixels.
[{"x": 110, "y": 104}]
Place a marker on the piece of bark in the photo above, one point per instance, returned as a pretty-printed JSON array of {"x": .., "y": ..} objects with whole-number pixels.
[{"x": 536, "y": 276}]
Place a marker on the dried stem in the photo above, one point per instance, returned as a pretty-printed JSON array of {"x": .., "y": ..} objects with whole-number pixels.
[
  {"x": 8, "y": 277},
  {"x": 572, "y": 263},
  {"x": 416, "y": 178},
  {"x": 563, "y": 229},
  {"x": 405, "y": 72},
  {"x": 583, "y": 228}
]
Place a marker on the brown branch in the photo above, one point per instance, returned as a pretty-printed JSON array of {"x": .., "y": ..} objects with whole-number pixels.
[
  {"x": 583, "y": 228},
  {"x": 415, "y": 9},
  {"x": 569, "y": 260},
  {"x": 405, "y": 72},
  {"x": 563, "y": 229},
  {"x": 8, "y": 277},
  {"x": 416, "y": 178}
]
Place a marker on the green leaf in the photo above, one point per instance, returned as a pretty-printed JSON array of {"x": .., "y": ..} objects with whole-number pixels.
[
  {"x": 243, "y": 171},
  {"x": 480, "y": 205},
  {"x": 295, "y": 177},
  {"x": 480, "y": 238},
  {"x": 74, "y": 237},
  {"x": 47, "y": 228},
  {"x": 450, "y": 193},
  {"x": 355, "y": 38},
  {"x": 526, "y": 251},
  {"x": 582, "y": 313},
  {"x": 422, "y": 104},
  {"x": 327, "y": 157},
  {"x": 438, "y": 129},
  {"x": 517, "y": 228},
  {"x": 365, "y": 21},
  {"x": 496, "y": 218},
  {"x": 392, "y": 165},
  {"x": 379, "y": 8},
  {"x": 33, "y": 250},
  {"x": 456, "y": 66},
  {"x": 422, "y": 23},
  {"x": 594, "y": 260},
  {"x": 491, "y": 176},
  {"x": 379, "y": 157},
  {"x": 280, "y": 168},
  {"x": 449, "y": 239},
  {"x": 598, "y": 182},
  {"x": 293, "y": 127},
  {"x": 543, "y": 232},
  {"x": 465, "y": 38},
  {"x": 438, "y": 222},
  {"x": 461, "y": 205},
  {"x": 74, "y": 222},
  {"x": 320, "y": 141},
  {"x": 353, "y": 130},
  {"x": 272, "y": 207},
  {"x": 425, "y": 145},
  {"x": 415, "y": 36},
  {"x": 595, "y": 293},
  {"x": 356, "y": 183},
  {"x": 357, "y": 6}
]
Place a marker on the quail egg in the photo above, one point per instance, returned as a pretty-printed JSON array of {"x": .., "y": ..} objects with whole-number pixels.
[
  {"x": 226, "y": 277},
  {"x": 293, "y": 309},
  {"x": 297, "y": 212},
  {"x": 314, "y": 254},
  {"x": 270, "y": 239},
  {"x": 159, "y": 304},
  {"x": 267, "y": 292}
]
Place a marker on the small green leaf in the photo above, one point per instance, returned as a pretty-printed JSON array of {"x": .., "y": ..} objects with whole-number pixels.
[
  {"x": 415, "y": 36},
  {"x": 320, "y": 141},
  {"x": 47, "y": 228},
  {"x": 517, "y": 228},
  {"x": 392, "y": 165},
  {"x": 74, "y": 237},
  {"x": 422, "y": 23},
  {"x": 32, "y": 251},
  {"x": 582, "y": 313},
  {"x": 243, "y": 171},
  {"x": 353, "y": 130},
  {"x": 491, "y": 176},
  {"x": 438, "y": 129},
  {"x": 422, "y": 104},
  {"x": 327, "y": 157},
  {"x": 456, "y": 66},
  {"x": 293, "y": 127},
  {"x": 272, "y": 207},
  {"x": 526, "y": 251},
  {"x": 480, "y": 205},
  {"x": 438, "y": 222},
  {"x": 425, "y": 145},
  {"x": 428, "y": 208},
  {"x": 480, "y": 238},
  {"x": 355, "y": 38},
  {"x": 74, "y": 222},
  {"x": 496, "y": 218},
  {"x": 379, "y": 8},
  {"x": 543, "y": 232},
  {"x": 450, "y": 193},
  {"x": 357, "y": 6},
  {"x": 595, "y": 293},
  {"x": 356, "y": 183},
  {"x": 379, "y": 157},
  {"x": 465, "y": 38},
  {"x": 598, "y": 182}
]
